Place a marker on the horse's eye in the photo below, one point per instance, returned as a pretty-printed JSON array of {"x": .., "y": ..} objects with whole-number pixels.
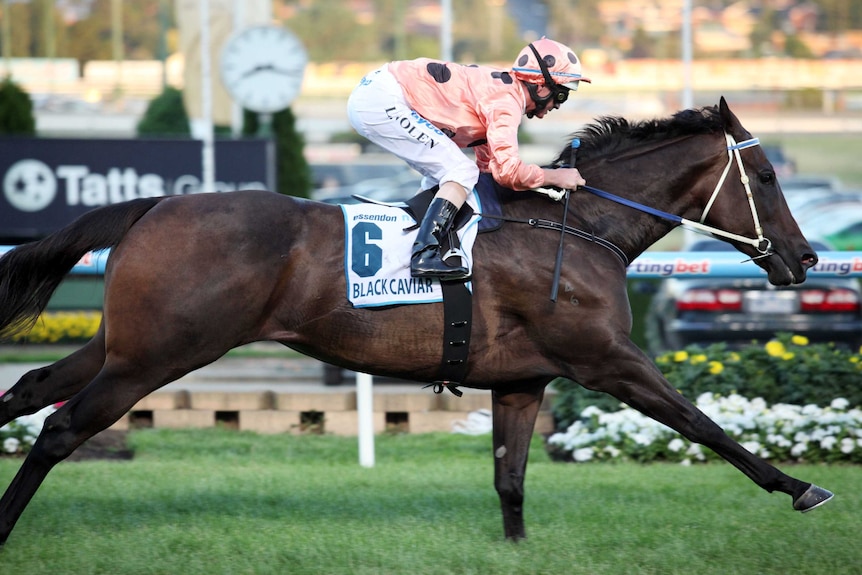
[{"x": 766, "y": 177}]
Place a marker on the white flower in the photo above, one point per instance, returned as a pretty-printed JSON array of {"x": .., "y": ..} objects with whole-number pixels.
[
  {"x": 641, "y": 439},
  {"x": 828, "y": 442},
  {"x": 590, "y": 411},
  {"x": 612, "y": 451},
  {"x": 751, "y": 446},
  {"x": 779, "y": 440},
  {"x": 676, "y": 444},
  {"x": 685, "y": 462},
  {"x": 11, "y": 445},
  {"x": 810, "y": 409},
  {"x": 847, "y": 445},
  {"x": 839, "y": 403},
  {"x": 798, "y": 449},
  {"x": 695, "y": 450},
  {"x": 584, "y": 454}
]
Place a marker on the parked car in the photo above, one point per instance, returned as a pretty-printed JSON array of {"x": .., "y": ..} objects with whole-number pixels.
[
  {"x": 838, "y": 222},
  {"x": 742, "y": 311}
]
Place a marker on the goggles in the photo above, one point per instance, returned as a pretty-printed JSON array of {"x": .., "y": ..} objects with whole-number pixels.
[{"x": 560, "y": 94}]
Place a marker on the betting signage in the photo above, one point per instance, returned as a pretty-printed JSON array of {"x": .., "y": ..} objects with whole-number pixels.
[{"x": 46, "y": 183}]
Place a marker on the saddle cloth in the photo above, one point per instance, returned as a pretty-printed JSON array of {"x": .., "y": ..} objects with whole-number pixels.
[{"x": 378, "y": 245}]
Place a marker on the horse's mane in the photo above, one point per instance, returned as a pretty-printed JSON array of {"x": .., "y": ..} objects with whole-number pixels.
[{"x": 615, "y": 134}]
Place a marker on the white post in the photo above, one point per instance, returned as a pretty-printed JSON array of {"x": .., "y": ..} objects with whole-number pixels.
[
  {"x": 236, "y": 114},
  {"x": 687, "y": 56},
  {"x": 446, "y": 30},
  {"x": 208, "y": 137},
  {"x": 365, "y": 415}
]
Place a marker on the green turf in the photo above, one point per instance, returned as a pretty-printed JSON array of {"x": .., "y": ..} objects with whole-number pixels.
[{"x": 216, "y": 501}]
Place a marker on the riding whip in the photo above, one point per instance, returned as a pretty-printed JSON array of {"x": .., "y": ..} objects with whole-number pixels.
[{"x": 576, "y": 142}]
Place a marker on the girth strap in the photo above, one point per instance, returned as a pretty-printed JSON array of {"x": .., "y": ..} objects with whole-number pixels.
[{"x": 457, "y": 327}]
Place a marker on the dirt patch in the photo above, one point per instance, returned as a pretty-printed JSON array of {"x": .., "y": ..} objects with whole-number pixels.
[{"x": 109, "y": 444}]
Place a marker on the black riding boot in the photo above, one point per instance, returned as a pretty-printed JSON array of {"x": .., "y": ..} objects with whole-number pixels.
[{"x": 427, "y": 261}]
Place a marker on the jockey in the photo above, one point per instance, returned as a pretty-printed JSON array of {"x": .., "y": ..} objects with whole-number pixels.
[{"x": 426, "y": 111}]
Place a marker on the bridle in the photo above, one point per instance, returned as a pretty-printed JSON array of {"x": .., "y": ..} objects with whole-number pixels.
[{"x": 761, "y": 243}]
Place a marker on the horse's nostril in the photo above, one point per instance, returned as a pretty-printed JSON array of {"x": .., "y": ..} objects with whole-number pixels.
[{"x": 809, "y": 260}]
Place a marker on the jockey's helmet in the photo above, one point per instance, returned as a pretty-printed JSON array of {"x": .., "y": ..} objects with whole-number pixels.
[{"x": 550, "y": 64}]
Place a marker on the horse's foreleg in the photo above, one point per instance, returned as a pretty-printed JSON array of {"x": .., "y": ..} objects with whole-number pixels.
[
  {"x": 635, "y": 380},
  {"x": 514, "y": 419},
  {"x": 110, "y": 395},
  {"x": 57, "y": 382}
]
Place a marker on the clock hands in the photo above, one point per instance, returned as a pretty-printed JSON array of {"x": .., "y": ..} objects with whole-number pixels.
[{"x": 293, "y": 72}]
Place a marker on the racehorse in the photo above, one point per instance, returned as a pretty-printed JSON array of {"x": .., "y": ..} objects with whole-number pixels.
[{"x": 191, "y": 277}]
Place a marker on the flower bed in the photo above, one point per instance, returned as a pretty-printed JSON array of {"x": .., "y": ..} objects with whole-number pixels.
[
  {"x": 780, "y": 432},
  {"x": 786, "y": 370},
  {"x": 62, "y": 327}
]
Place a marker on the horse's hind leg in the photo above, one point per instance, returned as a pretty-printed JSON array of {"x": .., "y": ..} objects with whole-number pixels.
[
  {"x": 59, "y": 381},
  {"x": 515, "y": 415},
  {"x": 111, "y": 394}
]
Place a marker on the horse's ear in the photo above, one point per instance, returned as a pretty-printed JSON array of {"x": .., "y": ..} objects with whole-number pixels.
[{"x": 728, "y": 118}]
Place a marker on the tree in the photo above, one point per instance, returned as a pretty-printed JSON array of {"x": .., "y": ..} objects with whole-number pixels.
[
  {"x": 292, "y": 170},
  {"x": 642, "y": 45},
  {"x": 329, "y": 31},
  {"x": 575, "y": 24},
  {"x": 16, "y": 110},
  {"x": 165, "y": 115},
  {"x": 796, "y": 48},
  {"x": 90, "y": 37}
]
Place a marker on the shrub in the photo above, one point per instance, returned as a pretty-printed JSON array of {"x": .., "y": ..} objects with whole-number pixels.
[
  {"x": 16, "y": 110},
  {"x": 785, "y": 370},
  {"x": 165, "y": 115},
  {"x": 293, "y": 173}
]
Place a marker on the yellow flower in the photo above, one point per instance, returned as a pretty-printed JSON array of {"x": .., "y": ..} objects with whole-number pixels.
[
  {"x": 680, "y": 356},
  {"x": 854, "y": 359},
  {"x": 799, "y": 340},
  {"x": 715, "y": 367},
  {"x": 775, "y": 348},
  {"x": 788, "y": 356},
  {"x": 733, "y": 356},
  {"x": 699, "y": 358}
]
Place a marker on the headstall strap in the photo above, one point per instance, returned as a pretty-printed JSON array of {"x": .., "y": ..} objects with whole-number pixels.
[{"x": 762, "y": 244}]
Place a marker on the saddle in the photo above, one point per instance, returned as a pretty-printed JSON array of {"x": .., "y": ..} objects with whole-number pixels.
[{"x": 488, "y": 193}]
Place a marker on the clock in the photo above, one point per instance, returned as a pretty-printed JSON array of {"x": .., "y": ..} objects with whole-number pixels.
[{"x": 261, "y": 68}]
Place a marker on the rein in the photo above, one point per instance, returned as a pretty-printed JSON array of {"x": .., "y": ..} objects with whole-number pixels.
[
  {"x": 542, "y": 224},
  {"x": 761, "y": 243}
]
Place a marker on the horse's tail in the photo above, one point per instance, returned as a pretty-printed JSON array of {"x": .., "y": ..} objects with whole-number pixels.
[{"x": 30, "y": 273}]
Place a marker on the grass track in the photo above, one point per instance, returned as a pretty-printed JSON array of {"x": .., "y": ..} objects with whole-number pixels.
[{"x": 215, "y": 501}]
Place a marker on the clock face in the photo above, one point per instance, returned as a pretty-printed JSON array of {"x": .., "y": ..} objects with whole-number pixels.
[{"x": 262, "y": 66}]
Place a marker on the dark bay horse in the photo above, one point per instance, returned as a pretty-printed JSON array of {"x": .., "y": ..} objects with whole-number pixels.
[{"x": 191, "y": 277}]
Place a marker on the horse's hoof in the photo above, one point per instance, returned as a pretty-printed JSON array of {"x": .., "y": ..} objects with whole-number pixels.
[{"x": 812, "y": 498}]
